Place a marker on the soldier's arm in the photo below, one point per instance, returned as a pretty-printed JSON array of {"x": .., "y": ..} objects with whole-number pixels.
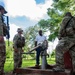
[
  {"x": 14, "y": 42},
  {"x": 62, "y": 32},
  {"x": 1, "y": 29},
  {"x": 74, "y": 23},
  {"x": 23, "y": 41}
]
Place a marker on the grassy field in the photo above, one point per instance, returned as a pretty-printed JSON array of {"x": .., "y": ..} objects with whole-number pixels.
[{"x": 26, "y": 63}]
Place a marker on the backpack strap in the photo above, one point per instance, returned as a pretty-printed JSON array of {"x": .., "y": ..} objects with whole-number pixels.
[{"x": 68, "y": 22}]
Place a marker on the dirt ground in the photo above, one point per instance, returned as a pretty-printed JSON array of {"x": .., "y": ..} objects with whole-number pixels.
[{"x": 10, "y": 73}]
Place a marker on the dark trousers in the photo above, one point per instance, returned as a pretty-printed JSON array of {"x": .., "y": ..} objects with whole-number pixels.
[{"x": 38, "y": 51}]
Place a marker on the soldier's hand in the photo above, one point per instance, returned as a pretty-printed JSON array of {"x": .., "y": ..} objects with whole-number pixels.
[{"x": 1, "y": 39}]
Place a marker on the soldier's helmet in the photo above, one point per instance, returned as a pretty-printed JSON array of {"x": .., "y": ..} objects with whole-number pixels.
[
  {"x": 68, "y": 14},
  {"x": 19, "y": 30},
  {"x": 2, "y": 8}
]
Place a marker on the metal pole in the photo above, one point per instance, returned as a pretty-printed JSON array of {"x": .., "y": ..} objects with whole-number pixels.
[{"x": 43, "y": 60}]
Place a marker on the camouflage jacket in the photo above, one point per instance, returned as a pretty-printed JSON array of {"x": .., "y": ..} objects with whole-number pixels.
[
  {"x": 67, "y": 30},
  {"x": 18, "y": 41},
  {"x": 1, "y": 25}
]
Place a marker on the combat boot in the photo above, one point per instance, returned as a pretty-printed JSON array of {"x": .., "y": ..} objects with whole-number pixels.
[{"x": 58, "y": 69}]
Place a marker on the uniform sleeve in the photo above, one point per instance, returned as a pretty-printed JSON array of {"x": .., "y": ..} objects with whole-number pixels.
[
  {"x": 62, "y": 26},
  {"x": 74, "y": 23},
  {"x": 1, "y": 26},
  {"x": 15, "y": 41}
]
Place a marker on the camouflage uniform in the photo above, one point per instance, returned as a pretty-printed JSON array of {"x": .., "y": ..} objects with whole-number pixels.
[
  {"x": 66, "y": 42},
  {"x": 2, "y": 44},
  {"x": 18, "y": 53}
]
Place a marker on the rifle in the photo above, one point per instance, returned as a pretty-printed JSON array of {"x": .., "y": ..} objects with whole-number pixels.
[
  {"x": 8, "y": 28},
  {"x": 5, "y": 27}
]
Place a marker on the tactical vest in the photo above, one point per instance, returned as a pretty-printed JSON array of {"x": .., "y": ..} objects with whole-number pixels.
[{"x": 20, "y": 42}]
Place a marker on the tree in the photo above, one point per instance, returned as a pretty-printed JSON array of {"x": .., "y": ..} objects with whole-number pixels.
[
  {"x": 9, "y": 49},
  {"x": 59, "y": 7},
  {"x": 30, "y": 34}
]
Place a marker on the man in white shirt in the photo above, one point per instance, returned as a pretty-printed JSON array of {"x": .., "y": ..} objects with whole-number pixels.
[{"x": 39, "y": 40}]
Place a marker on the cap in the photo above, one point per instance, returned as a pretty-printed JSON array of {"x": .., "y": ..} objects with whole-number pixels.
[
  {"x": 19, "y": 30},
  {"x": 1, "y": 7}
]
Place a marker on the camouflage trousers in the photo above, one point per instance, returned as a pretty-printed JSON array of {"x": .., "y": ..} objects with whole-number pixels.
[
  {"x": 2, "y": 58},
  {"x": 18, "y": 58},
  {"x": 64, "y": 45}
]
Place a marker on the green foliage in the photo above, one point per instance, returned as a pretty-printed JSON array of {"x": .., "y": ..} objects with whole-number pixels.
[
  {"x": 55, "y": 0},
  {"x": 25, "y": 63},
  {"x": 53, "y": 54},
  {"x": 51, "y": 24},
  {"x": 30, "y": 34},
  {"x": 9, "y": 49},
  {"x": 56, "y": 13},
  {"x": 42, "y": 23}
]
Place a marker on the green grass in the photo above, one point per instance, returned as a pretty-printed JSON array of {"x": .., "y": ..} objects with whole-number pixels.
[{"x": 26, "y": 63}]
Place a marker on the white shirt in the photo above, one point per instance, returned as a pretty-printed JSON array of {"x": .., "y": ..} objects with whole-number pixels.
[{"x": 40, "y": 39}]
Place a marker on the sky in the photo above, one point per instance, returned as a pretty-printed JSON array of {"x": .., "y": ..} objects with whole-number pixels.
[{"x": 25, "y": 13}]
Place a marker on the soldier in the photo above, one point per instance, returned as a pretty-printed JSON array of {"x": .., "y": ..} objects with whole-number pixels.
[
  {"x": 18, "y": 44},
  {"x": 38, "y": 40},
  {"x": 2, "y": 42},
  {"x": 66, "y": 42}
]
